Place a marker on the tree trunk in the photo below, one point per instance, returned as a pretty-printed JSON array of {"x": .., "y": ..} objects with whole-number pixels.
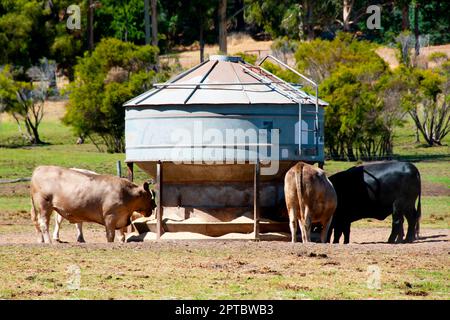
[
  {"x": 223, "y": 26},
  {"x": 347, "y": 9},
  {"x": 147, "y": 21},
  {"x": 33, "y": 131},
  {"x": 36, "y": 138},
  {"x": 350, "y": 154},
  {"x": 309, "y": 19},
  {"x": 91, "y": 26},
  {"x": 405, "y": 16},
  {"x": 202, "y": 42},
  {"x": 240, "y": 21},
  {"x": 416, "y": 28},
  {"x": 154, "y": 23}
]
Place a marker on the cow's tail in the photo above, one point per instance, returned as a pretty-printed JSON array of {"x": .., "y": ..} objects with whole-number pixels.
[
  {"x": 299, "y": 185},
  {"x": 419, "y": 209},
  {"x": 330, "y": 229},
  {"x": 34, "y": 215}
]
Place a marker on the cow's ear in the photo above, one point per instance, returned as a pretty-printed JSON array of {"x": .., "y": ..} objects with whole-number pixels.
[{"x": 146, "y": 187}]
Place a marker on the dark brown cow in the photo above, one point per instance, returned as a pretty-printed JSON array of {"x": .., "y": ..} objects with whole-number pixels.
[
  {"x": 310, "y": 199},
  {"x": 83, "y": 197}
]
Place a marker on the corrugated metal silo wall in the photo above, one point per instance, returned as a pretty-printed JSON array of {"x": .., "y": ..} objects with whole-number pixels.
[{"x": 167, "y": 133}]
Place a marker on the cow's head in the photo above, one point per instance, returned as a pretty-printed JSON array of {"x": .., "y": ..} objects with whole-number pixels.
[{"x": 148, "y": 202}]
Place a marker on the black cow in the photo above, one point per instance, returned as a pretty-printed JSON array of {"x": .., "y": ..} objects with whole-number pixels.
[{"x": 375, "y": 191}]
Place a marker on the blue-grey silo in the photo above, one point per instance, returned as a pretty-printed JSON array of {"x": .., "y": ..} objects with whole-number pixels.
[{"x": 188, "y": 124}]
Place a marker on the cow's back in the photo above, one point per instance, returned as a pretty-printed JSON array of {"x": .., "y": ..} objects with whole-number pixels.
[
  {"x": 369, "y": 191},
  {"x": 84, "y": 196},
  {"x": 319, "y": 193},
  {"x": 309, "y": 185}
]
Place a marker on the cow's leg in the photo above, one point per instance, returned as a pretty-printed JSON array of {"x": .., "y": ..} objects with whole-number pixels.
[
  {"x": 293, "y": 224},
  {"x": 44, "y": 221},
  {"x": 411, "y": 217},
  {"x": 306, "y": 227},
  {"x": 122, "y": 232},
  {"x": 346, "y": 231},
  {"x": 34, "y": 218},
  {"x": 330, "y": 229},
  {"x": 43, "y": 210},
  {"x": 110, "y": 225},
  {"x": 337, "y": 229},
  {"x": 324, "y": 238},
  {"x": 397, "y": 226},
  {"x": 58, "y": 221},
  {"x": 80, "y": 237}
]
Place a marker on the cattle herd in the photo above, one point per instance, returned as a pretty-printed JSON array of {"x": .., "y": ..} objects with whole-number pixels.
[{"x": 374, "y": 190}]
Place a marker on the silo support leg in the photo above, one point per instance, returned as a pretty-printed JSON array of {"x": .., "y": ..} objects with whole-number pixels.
[
  {"x": 256, "y": 200},
  {"x": 130, "y": 173},
  {"x": 159, "y": 192}
]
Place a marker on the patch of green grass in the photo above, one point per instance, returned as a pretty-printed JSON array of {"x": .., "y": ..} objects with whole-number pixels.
[
  {"x": 53, "y": 132},
  {"x": 15, "y": 204},
  {"x": 20, "y": 160},
  {"x": 435, "y": 212},
  {"x": 435, "y": 171},
  {"x": 405, "y": 145}
]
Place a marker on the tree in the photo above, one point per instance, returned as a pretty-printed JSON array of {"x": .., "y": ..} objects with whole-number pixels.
[
  {"x": 404, "y": 5},
  {"x": 25, "y": 101},
  {"x": 319, "y": 58},
  {"x": 114, "y": 73},
  {"x": 154, "y": 23},
  {"x": 346, "y": 11},
  {"x": 24, "y": 37},
  {"x": 222, "y": 10},
  {"x": 359, "y": 121},
  {"x": 147, "y": 21},
  {"x": 292, "y": 18},
  {"x": 426, "y": 99}
]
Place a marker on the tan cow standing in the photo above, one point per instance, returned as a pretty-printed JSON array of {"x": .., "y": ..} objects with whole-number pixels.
[
  {"x": 82, "y": 197},
  {"x": 80, "y": 237},
  {"x": 310, "y": 198}
]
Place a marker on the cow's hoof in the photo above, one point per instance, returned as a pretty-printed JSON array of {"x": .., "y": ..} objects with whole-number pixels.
[{"x": 81, "y": 240}]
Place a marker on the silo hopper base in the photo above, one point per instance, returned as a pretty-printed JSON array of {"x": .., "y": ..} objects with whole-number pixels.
[
  {"x": 241, "y": 225},
  {"x": 151, "y": 236}
]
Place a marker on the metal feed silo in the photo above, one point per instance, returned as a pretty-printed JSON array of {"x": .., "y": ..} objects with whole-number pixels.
[{"x": 218, "y": 140}]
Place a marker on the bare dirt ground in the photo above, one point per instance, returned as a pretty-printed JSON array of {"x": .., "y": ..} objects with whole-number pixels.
[
  {"x": 376, "y": 237},
  {"x": 220, "y": 269}
]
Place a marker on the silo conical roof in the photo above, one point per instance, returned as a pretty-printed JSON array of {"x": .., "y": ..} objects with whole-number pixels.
[{"x": 223, "y": 80}]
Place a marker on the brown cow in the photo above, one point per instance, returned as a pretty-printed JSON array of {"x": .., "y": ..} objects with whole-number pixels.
[
  {"x": 80, "y": 237},
  {"x": 310, "y": 198},
  {"x": 82, "y": 197}
]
